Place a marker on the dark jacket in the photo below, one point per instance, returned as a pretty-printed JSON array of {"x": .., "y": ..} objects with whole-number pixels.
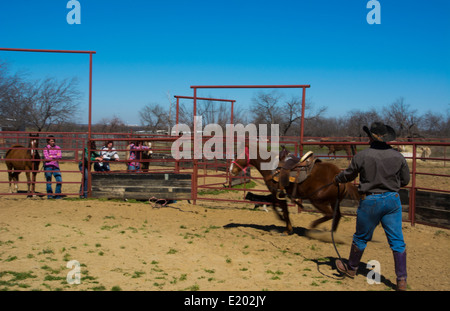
[{"x": 381, "y": 169}]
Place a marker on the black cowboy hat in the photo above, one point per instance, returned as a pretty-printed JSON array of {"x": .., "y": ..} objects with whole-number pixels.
[{"x": 380, "y": 132}]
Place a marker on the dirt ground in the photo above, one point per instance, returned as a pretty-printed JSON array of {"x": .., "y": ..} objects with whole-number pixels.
[
  {"x": 209, "y": 246},
  {"x": 132, "y": 246}
]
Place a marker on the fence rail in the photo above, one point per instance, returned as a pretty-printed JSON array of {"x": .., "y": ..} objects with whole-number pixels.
[{"x": 210, "y": 176}]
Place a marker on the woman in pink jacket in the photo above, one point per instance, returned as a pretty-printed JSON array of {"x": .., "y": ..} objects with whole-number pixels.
[{"x": 52, "y": 153}]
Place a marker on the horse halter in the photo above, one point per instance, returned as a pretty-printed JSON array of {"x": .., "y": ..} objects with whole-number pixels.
[{"x": 247, "y": 155}]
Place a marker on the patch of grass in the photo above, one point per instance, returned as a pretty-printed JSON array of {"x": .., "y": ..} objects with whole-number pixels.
[
  {"x": 193, "y": 288},
  {"x": 137, "y": 274},
  {"x": 441, "y": 233},
  {"x": 49, "y": 277},
  {"x": 11, "y": 258},
  {"x": 133, "y": 230},
  {"x": 98, "y": 288},
  {"x": 15, "y": 278},
  {"x": 109, "y": 228},
  {"x": 275, "y": 274},
  {"x": 314, "y": 247},
  {"x": 182, "y": 277},
  {"x": 211, "y": 228},
  {"x": 9, "y": 242},
  {"x": 47, "y": 251},
  {"x": 50, "y": 269}
]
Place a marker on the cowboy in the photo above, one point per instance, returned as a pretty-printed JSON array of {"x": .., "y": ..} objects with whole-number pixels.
[{"x": 382, "y": 171}]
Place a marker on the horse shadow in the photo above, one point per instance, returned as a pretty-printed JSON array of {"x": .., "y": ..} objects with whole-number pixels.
[
  {"x": 300, "y": 231},
  {"x": 320, "y": 262}
]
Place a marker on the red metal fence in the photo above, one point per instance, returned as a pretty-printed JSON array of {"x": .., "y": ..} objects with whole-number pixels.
[{"x": 210, "y": 177}]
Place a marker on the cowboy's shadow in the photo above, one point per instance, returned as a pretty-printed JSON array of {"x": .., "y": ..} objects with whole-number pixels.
[
  {"x": 327, "y": 261},
  {"x": 362, "y": 270}
]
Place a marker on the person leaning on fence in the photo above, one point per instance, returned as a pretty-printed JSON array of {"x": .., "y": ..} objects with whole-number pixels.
[
  {"x": 52, "y": 153},
  {"x": 135, "y": 155},
  {"x": 108, "y": 153},
  {"x": 382, "y": 171},
  {"x": 83, "y": 166}
]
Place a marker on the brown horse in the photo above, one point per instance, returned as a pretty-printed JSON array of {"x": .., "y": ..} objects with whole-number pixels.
[
  {"x": 318, "y": 188},
  {"x": 350, "y": 150},
  {"x": 23, "y": 159}
]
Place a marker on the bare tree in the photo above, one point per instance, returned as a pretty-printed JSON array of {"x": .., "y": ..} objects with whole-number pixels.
[
  {"x": 39, "y": 104},
  {"x": 356, "y": 119},
  {"x": 269, "y": 108},
  {"x": 13, "y": 102},
  {"x": 404, "y": 120},
  {"x": 214, "y": 112},
  {"x": 266, "y": 107},
  {"x": 154, "y": 117},
  {"x": 111, "y": 125},
  {"x": 51, "y": 102},
  {"x": 432, "y": 122}
]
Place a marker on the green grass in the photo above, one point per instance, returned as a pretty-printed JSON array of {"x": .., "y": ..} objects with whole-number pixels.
[
  {"x": 248, "y": 185},
  {"x": 15, "y": 277}
]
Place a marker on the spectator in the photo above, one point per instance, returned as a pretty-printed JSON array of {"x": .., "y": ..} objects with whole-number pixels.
[
  {"x": 108, "y": 153},
  {"x": 83, "y": 166},
  {"x": 52, "y": 153},
  {"x": 135, "y": 155}
]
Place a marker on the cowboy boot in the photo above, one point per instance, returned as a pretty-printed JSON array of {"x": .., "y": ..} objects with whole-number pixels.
[
  {"x": 400, "y": 269},
  {"x": 351, "y": 267}
]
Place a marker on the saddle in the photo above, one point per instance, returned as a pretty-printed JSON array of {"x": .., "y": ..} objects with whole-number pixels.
[{"x": 297, "y": 168}]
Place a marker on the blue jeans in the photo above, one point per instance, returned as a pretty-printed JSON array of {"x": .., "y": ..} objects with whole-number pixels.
[
  {"x": 48, "y": 177},
  {"x": 84, "y": 185},
  {"x": 385, "y": 208},
  {"x": 135, "y": 168}
]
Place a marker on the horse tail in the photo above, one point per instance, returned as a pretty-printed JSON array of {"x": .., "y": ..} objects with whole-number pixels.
[
  {"x": 353, "y": 147},
  {"x": 351, "y": 192}
]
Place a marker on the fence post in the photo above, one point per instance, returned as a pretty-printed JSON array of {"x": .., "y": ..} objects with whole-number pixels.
[{"x": 412, "y": 194}]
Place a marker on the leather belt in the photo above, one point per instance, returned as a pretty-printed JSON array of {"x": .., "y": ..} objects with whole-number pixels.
[
  {"x": 364, "y": 195},
  {"x": 373, "y": 193}
]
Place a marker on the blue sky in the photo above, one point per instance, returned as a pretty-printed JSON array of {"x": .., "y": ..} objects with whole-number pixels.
[{"x": 147, "y": 49}]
